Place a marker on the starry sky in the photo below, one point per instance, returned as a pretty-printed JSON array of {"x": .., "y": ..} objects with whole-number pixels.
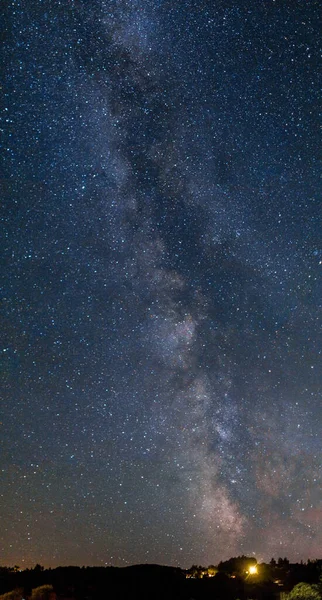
[{"x": 161, "y": 392}]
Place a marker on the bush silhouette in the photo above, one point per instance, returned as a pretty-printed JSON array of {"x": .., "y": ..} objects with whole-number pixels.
[
  {"x": 304, "y": 591},
  {"x": 44, "y": 592}
]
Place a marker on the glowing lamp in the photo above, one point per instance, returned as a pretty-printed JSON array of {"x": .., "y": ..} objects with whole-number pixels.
[{"x": 252, "y": 570}]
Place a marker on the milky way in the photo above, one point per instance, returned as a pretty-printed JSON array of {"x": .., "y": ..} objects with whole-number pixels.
[{"x": 161, "y": 292}]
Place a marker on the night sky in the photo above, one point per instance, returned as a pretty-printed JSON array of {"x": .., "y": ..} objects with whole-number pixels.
[{"x": 161, "y": 330}]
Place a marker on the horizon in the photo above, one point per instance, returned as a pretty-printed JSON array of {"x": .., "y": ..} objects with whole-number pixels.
[{"x": 215, "y": 564}]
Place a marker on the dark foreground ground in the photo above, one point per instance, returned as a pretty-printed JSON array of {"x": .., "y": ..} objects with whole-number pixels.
[{"x": 153, "y": 582}]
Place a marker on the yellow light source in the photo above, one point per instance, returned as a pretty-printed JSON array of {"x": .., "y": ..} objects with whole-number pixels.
[{"x": 252, "y": 570}]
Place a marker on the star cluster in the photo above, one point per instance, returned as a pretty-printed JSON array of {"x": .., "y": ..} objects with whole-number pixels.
[{"x": 161, "y": 293}]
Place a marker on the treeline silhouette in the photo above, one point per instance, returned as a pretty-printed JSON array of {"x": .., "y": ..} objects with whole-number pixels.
[{"x": 239, "y": 578}]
